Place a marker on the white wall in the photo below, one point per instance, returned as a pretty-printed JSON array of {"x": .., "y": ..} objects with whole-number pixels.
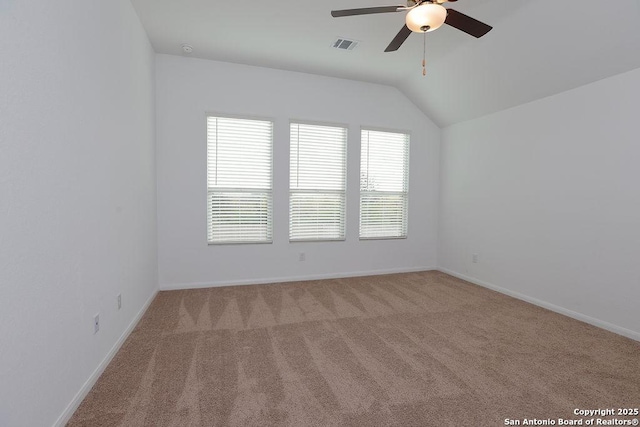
[
  {"x": 547, "y": 194},
  {"x": 77, "y": 196},
  {"x": 187, "y": 88}
]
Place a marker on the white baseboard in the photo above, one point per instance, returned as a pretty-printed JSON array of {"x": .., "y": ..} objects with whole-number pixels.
[
  {"x": 261, "y": 281},
  {"x": 86, "y": 387},
  {"x": 634, "y": 335}
]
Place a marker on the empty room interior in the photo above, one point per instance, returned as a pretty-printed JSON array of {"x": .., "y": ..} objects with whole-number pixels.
[{"x": 333, "y": 213}]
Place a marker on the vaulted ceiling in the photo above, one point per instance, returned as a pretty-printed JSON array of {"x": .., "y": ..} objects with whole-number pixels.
[{"x": 535, "y": 49}]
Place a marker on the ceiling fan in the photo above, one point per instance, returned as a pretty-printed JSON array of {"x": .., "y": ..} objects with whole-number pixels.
[{"x": 423, "y": 16}]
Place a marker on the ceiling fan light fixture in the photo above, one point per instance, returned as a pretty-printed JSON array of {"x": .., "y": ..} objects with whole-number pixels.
[{"x": 430, "y": 15}]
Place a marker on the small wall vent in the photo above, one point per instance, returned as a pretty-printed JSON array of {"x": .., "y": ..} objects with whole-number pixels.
[{"x": 344, "y": 44}]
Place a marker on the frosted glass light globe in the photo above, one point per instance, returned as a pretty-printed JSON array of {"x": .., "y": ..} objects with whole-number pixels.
[{"x": 427, "y": 14}]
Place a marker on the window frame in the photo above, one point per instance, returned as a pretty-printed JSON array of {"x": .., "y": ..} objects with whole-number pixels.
[
  {"x": 405, "y": 193},
  {"x": 268, "y": 192},
  {"x": 342, "y": 192}
]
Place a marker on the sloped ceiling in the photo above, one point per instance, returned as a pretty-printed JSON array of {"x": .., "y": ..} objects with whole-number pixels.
[{"x": 536, "y": 48}]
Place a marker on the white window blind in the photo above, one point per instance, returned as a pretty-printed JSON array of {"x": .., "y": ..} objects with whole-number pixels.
[
  {"x": 317, "y": 182},
  {"x": 239, "y": 180},
  {"x": 384, "y": 183}
]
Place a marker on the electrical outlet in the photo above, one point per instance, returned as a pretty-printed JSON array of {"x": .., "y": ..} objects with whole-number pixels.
[
  {"x": 474, "y": 258},
  {"x": 302, "y": 256},
  {"x": 119, "y": 301},
  {"x": 96, "y": 323}
]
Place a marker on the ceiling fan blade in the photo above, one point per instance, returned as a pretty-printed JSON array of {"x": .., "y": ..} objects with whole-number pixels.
[
  {"x": 364, "y": 11},
  {"x": 467, "y": 24},
  {"x": 398, "y": 39}
]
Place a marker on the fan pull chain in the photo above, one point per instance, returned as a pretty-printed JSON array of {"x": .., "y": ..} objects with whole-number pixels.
[{"x": 424, "y": 53}]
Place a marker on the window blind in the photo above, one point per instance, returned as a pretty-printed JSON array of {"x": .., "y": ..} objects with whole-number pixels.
[
  {"x": 239, "y": 180},
  {"x": 317, "y": 182},
  {"x": 384, "y": 183}
]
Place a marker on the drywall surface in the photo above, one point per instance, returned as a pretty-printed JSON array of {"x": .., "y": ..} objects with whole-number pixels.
[
  {"x": 188, "y": 88},
  {"x": 546, "y": 194},
  {"x": 77, "y": 196}
]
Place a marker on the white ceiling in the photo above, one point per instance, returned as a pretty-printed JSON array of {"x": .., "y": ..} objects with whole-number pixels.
[{"x": 536, "y": 48}]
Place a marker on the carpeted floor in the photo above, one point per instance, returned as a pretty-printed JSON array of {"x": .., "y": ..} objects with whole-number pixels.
[{"x": 415, "y": 349}]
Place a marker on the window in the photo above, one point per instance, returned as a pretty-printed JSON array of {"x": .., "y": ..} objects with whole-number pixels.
[
  {"x": 384, "y": 182},
  {"x": 317, "y": 182},
  {"x": 239, "y": 196}
]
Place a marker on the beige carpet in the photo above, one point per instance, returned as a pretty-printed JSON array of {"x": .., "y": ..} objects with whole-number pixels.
[{"x": 416, "y": 349}]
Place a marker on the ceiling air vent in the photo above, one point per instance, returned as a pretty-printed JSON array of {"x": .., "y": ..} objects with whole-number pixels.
[{"x": 344, "y": 44}]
